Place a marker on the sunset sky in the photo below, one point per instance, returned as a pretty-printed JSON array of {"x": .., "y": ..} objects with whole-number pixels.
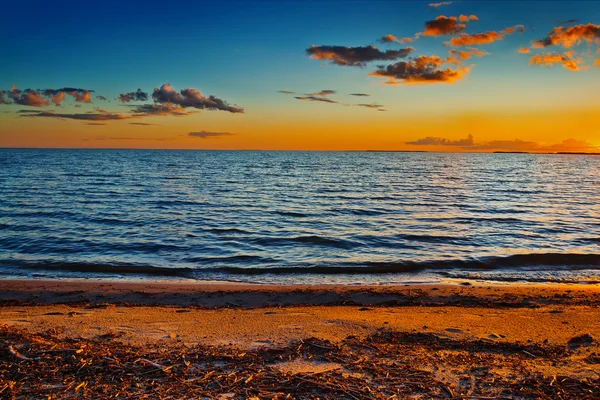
[{"x": 449, "y": 76}]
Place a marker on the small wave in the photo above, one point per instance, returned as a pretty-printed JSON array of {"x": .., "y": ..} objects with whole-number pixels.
[
  {"x": 358, "y": 211},
  {"x": 226, "y": 230},
  {"x": 107, "y": 268},
  {"x": 568, "y": 261},
  {"x": 311, "y": 240},
  {"x": 241, "y": 259},
  {"x": 589, "y": 240},
  {"x": 438, "y": 239},
  {"x": 291, "y": 214}
]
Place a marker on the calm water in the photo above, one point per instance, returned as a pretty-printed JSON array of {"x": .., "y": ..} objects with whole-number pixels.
[{"x": 299, "y": 217}]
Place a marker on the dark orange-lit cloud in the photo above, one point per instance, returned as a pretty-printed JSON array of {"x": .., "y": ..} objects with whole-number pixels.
[
  {"x": 465, "y": 39},
  {"x": 442, "y": 3},
  {"x": 81, "y": 96},
  {"x": 513, "y": 29},
  {"x": 524, "y": 50},
  {"x": 597, "y": 62},
  {"x": 355, "y": 56},
  {"x": 27, "y": 97},
  {"x": 568, "y": 37},
  {"x": 467, "y": 18},
  {"x": 42, "y": 98},
  {"x": 548, "y": 59},
  {"x": 465, "y": 54},
  {"x": 191, "y": 98},
  {"x": 391, "y": 38},
  {"x": 139, "y": 95},
  {"x": 568, "y": 145},
  {"x": 316, "y": 98},
  {"x": 421, "y": 70},
  {"x": 167, "y": 102},
  {"x": 359, "y": 94},
  {"x": 442, "y": 26},
  {"x": 207, "y": 135}
]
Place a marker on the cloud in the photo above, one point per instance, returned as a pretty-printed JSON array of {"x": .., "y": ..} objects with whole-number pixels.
[
  {"x": 391, "y": 38},
  {"x": 524, "y": 50},
  {"x": 95, "y": 123},
  {"x": 286, "y": 92},
  {"x": 442, "y": 26},
  {"x": 27, "y": 97},
  {"x": 133, "y": 96},
  {"x": 568, "y": 145},
  {"x": 359, "y": 94},
  {"x": 42, "y": 98},
  {"x": 597, "y": 62},
  {"x": 466, "y": 54},
  {"x": 159, "y": 110},
  {"x": 141, "y": 123},
  {"x": 4, "y": 100},
  {"x": 99, "y": 116},
  {"x": 370, "y": 105},
  {"x": 421, "y": 70},
  {"x": 513, "y": 29},
  {"x": 548, "y": 59},
  {"x": 191, "y": 98},
  {"x": 206, "y": 134},
  {"x": 316, "y": 98},
  {"x": 465, "y": 39},
  {"x": 438, "y": 141},
  {"x": 325, "y": 92},
  {"x": 467, "y": 18},
  {"x": 101, "y": 98},
  {"x": 355, "y": 56},
  {"x": 568, "y": 37},
  {"x": 443, "y": 3}
]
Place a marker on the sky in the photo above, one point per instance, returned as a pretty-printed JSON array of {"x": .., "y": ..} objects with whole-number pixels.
[{"x": 307, "y": 75}]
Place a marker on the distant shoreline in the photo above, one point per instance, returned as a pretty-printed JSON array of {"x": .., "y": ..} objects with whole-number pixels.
[{"x": 303, "y": 151}]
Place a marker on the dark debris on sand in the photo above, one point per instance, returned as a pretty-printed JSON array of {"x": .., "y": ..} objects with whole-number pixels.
[{"x": 386, "y": 365}]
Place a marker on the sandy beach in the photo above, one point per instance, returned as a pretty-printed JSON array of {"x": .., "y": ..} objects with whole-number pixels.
[{"x": 424, "y": 341}]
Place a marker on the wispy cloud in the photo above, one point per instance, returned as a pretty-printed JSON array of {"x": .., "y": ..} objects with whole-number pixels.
[
  {"x": 438, "y": 141},
  {"x": 568, "y": 145},
  {"x": 568, "y": 60},
  {"x": 360, "y": 94},
  {"x": 316, "y": 98},
  {"x": 442, "y": 3},
  {"x": 355, "y": 56},
  {"x": 393, "y": 39},
  {"x": 465, "y": 39},
  {"x": 207, "y": 134}
]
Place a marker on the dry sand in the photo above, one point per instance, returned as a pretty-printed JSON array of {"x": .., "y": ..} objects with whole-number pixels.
[{"x": 256, "y": 318}]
